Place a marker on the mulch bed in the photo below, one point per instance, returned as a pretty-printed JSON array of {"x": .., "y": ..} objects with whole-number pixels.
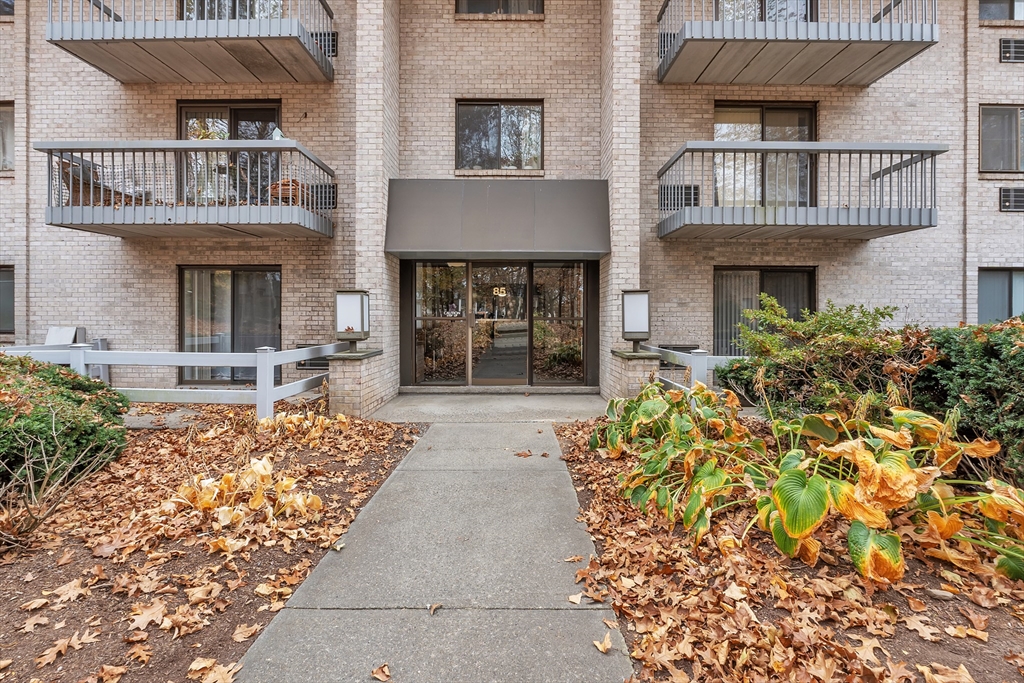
[
  {"x": 722, "y": 612},
  {"x": 121, "y": 585}
]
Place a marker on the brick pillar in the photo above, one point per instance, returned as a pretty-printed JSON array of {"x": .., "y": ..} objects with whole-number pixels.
[
  {"x": 626, "y": 372},
  {"x": 355, "y": 384}
]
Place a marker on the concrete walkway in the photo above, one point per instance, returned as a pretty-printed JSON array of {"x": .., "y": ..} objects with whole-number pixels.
[{"x": 465, "y": 523}]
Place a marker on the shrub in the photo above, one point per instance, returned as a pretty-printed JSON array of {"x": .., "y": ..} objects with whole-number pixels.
[
  {"x": 697, "y": 462},
  {"x": 56, "y": 427},
  {"x": 827, "y": 360},
  {"x": 980, "y": 372}
]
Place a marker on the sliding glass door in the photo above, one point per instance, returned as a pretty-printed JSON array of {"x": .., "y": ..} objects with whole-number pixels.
[
  {"x": 739, "y": 289},
  {"x": 228, "y": 310}
]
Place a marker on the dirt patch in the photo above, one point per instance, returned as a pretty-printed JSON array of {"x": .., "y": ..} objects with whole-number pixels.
[
  {"x": 130, "y": 584},
  {"x": 721, "y": 612}
]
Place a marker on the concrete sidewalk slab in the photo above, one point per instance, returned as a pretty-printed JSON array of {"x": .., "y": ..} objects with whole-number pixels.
[
  {"x": 452, "y": 646},
  {"x": 489, "y": 539},
  {"x": 491, "y": 408},
  {"x": 537, "y": 437},
  {"x": 503, "y": 459}
]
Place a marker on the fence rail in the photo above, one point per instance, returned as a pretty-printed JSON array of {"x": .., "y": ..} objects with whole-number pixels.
[
  {"x": 799, "y": 183},
  {"x": 265, "y": 359},
  {"x": 187, "y": 182},
  {"x": 698, "y": 362}
]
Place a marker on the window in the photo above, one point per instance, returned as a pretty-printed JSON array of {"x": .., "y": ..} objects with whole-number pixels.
[
  {"x": 6, "y": 299},
  {"x": 753, "y": 179},
  {"x": 773, "y": 10},
  {"x": 499, "y": 135},
  {"x": 499, "y": 7},
  {"x": 6, "y": 8},
  {"x": 1002, "y": 138},
  {"x": 229, "y": 310},
  {"x": 739, "y": 289},
  {"x": 232, "y": 9},
  {"x": 1000, "y": 295},
  {"x": 1011, "y": 50},
  {"x": 6, "y": 136},
  {"x": 1001, "y": 9}
]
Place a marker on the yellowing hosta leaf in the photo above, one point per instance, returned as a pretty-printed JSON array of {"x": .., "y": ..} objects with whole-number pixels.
[
  {"x": 263, "y": 467},
  {"x": 853, "y": 450},
  {"x": 651, "y": 410},
  {"x": 888, "y": 482},
  {"x": 802, "y": 502},
  {"x": 876, "y": 555},
  {"x": 981, "y": 448},
  {"x": 1003, "y": 504},
  {"x": 808, "y": 551},
  {"x": 817, "y": 426},
  {"x": 1011, "y": 567},
  {"x": 922, "y": 424},
  {"x": 947, "y": 456},
  {"x": 945, "y": 527},
  {"x": 786, "y": 543},
  {"x": 902, "y": 439},
  {"x": 842, "y": 494}
]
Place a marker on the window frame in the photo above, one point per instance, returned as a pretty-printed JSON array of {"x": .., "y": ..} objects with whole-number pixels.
[
  {"x": 1016, "y": 11},
  {"x": 499, "y": 103},
  {"x": 981, "y": 138},
  {"x": 499, "y": 12},
  {"x": 8, "y": 106},
  {"x": 761, "y": 270},
  {"x": 231, "y": 106},
  {"x": 3, "y": 330},
  {"x": 7, "y": 14},
  {"x": 1010, "y": 298}
]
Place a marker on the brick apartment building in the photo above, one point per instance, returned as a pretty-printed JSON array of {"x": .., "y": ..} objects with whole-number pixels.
[{"x": 205, "y": 174}]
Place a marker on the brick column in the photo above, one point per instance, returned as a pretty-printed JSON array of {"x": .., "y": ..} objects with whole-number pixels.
[
  {"x": 626, "y": 372},
  {"x": 355, "y": 384}
]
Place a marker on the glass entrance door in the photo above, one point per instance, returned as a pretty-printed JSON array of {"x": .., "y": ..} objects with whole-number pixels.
[{"x": 500, "y": 328}]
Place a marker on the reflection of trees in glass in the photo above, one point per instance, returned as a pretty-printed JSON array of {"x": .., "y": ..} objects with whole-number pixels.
[
  {"x": 440, "y": 290},
  {"x": 6, "y": 7},
  {"x": 233, "y": 9},
  {"x": 751, "y": 10},
  {"x": 500, "y": 6},
  {"x": 499, "y": 135}
]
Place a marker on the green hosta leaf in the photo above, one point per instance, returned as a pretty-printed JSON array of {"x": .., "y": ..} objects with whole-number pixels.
[
  {"x": 786, "y": 543},
  {"x": 612, "y": 412},
  {"x": 651, "y": 410},
  {"x": 1011, "y": 566},
  {"x": 757, "y": 476},
  {"x": 816, "y": 427},
  {"x": 792, "y": 459},
  {"x": 877, "y": 555},
  {"x": 662, "y": 500},
  {"x": 614, "y": 439},
  {"x": 694, "y": 504},
  {"x": 802, "y": 502},
  {"x": 595, "y": 440},
  {"x": 681, "y": 425},
  {"x": 702, "y": 525},
  {"x": 637, "y": 495},
  {"x": 765, "y": 508}
]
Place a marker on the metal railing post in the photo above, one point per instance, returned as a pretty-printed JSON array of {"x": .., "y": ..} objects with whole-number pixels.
[
  {"x": 698, "y": 367},
  {"x": 264, "y": 382},
  {"x": 77, "y": 353}
]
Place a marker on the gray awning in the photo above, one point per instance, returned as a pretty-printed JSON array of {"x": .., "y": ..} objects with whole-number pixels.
[{"x": 498, "y": 219}]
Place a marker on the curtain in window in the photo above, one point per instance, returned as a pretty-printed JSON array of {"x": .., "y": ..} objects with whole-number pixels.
[
  {"x": 791, "y": 289},
  {"x": 1000, "y": 139},
  {"x": 735, "y": 292},
  {"x": 206, "y": 319},
  {"x": 6, "y": 138},
  {"x": 257, "y": 315},
  {"x": 1000, "y": 295},
  {"x": 6, "y": 299}
]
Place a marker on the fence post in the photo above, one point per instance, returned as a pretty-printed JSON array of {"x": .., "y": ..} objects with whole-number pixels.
[
  {"x": 264, "y": 382},
  {"x": 698, "y": 367},
  {"x": 77, "y": 354}
]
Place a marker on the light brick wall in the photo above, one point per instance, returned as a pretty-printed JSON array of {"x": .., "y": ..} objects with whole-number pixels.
[{"x": 624, "y": 377}]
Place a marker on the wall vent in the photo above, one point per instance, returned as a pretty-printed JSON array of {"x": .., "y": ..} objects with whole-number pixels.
[
  {"x": 328, "y": 42},
  {"x": 325, "y": 197},
  {"x": 1011, "y": 199},
  {"x": 1011, "y": 50},
  {"x": 675, "y": 197}
]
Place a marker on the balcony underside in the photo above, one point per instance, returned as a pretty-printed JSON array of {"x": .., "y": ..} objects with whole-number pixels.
[
  {"x": 192, "y": 221},
  {"x": 767, "y": 53},
  {"x": 235, "y": 51},
  {"x": 756, "y": 222}
]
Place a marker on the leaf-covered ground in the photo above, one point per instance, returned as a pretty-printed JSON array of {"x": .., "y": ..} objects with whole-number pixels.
[
  {"x": 728, "y": 612},
  {"x": 131, "y": 582}
]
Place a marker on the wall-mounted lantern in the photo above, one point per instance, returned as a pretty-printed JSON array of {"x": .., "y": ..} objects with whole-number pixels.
[
  {"x": 352, "y": 309},
  {"x": 636, "y": 316}
]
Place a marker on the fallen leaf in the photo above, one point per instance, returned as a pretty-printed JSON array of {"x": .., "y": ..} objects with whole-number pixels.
[
  {"x": 144, "y": 615},
  {"x": 243, "y": 632},
  {"x": 382, "y": 672},
  {"x": 60, "y": 624},
  {"x": 140, "y": 652},
  {"x": 916, "y": 605},
  {"x": 919, "y": 624},
  {"x": 66, "y": 557},
  {"x": 524, "y": 454},
  {"x": 978, "y": 621},
  {"x": 71, "y": 591},
  {"x": 573, "y": 558},
  {"x": 30, "y": 624},
  {"x": 199, "y": 666},
  {"x": 222, "y": 674},
  {"x": 32, "y": 605},
  {"x": 575, "y": 599},
  {"x": 943, "y": 674},
  {"x": 956, "y": 631},
  {"x": 606, "y": 644},
  {"x": 433, "y": 608},
  {"x": 112, "y": 674},
  {"x": 983, "y": 597},
  {"x": 610, "y": 623},
  {"x": 735, "y": 592},
  {"x": 867, "y": 648},
  {"x": 136, "y": 637},
  {"x": 4, "y": 663},
  {"x": 980, "y": 635}
]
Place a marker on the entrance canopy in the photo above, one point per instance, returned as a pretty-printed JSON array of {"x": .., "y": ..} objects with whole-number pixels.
[{"x": 498, "y": 219}]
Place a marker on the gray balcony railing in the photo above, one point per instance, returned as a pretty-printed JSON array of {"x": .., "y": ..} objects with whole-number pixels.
[
  {"x": 239, "y": 23},
  {"x": 798, "y": 189},
  {"x": 760, "y": 22},
  {"x": 196, "y": 188}
]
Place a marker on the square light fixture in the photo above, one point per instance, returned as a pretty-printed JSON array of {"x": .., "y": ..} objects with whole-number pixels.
[
  {"x": 636, "y": 316},
  {"x": 352, "y": 313}
]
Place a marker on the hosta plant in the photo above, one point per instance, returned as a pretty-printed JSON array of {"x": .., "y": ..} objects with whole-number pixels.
[{"x": 883, "y": 483}]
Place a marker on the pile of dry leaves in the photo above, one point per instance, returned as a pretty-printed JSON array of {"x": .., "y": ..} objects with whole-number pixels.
[
  {"x": 724, "y": 612},
  {"x": 164, "y": 565}
]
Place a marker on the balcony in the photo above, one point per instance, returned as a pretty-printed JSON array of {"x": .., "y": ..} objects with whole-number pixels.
[
  {"x": 783, "y": 190},
  {"x": 791, "y": 42},
  {"x": 198, "y": 41},
  {"x": 237, "y": 188}
]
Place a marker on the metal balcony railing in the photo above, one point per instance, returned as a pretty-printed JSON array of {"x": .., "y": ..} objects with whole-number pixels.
[
  {"x": 836, "y": 21},
  {"x": 798, "y": 189},
  {"x": 261, "y": 187},
  {"x": 115, "y": 21}
]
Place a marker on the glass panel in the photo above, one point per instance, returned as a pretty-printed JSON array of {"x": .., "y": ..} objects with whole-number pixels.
[
  {"x": 738, "y": 10},
  {"x": 993, "y": 296},
  {"x": 500, "y": 330},
  {"x": 786, "y": 10},
  {"x": 6, "y": 7},
  {"x": 735, "y": 292},
  {"x": 257, "y": 315},
  {"x": 558, "y": 290},
  {"x": 206, "y": 319},
  {"x": 441, "y": 351},
  {"x": 499, "y": 6},
  {"x": 254, "y": 172},
  {"x": 6, "y": 138},
  {"x": 1017, "y": 293},
  {"x": 737, "y": 175},
  {"x": 521, "y": 136},
  {"x": 791, "y": 289},
  {"x": 232, "y": 9},
  {"x": 478, "y": 129},
  {"x": 1000, "y": 139},
  {"x": 995, "y": 9},
  {"x": 206, "y": 174},
  {"x": 558, "y": 323},
  {"x": 6, "y": 299},
  {"x": 787, "y": 176},
  {"x": 440, "y": 290}
]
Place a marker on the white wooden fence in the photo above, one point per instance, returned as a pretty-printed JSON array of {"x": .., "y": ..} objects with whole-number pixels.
[{"x": 265, "y": 359}]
